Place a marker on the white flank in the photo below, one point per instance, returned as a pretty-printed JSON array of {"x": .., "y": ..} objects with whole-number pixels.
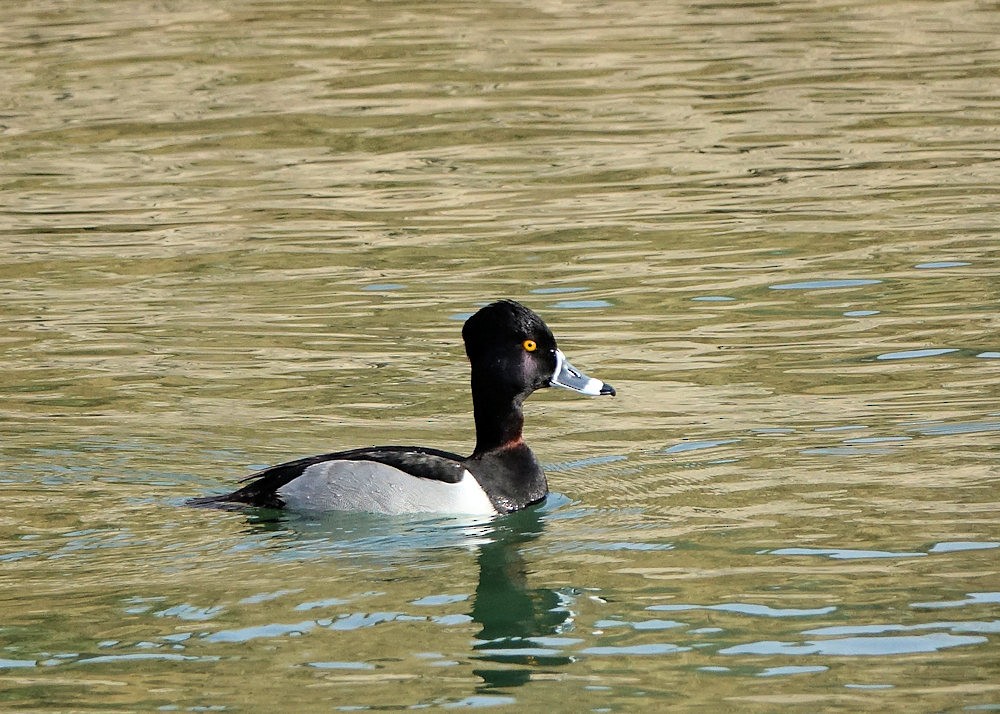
[{"x": 376, "y": 488}]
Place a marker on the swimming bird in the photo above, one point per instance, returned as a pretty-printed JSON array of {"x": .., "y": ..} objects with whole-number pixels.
[{"x": 512, "y": 353}]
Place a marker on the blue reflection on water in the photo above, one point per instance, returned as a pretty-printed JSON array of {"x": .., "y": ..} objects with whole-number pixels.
[
  {"x": 843, "y": 553},
  {"x": 584, "y": 463},
  {"x": 744, "y": 608},
  {"x": 969, "y": 427},
  {"x": 792, "y": 669},
  {"x": 916, "y": 354},
  {"x": 341, "y": 665},
  {"x": 480, "y": 700},
  {"x": 970, "y": 599},
  {"x": 185, "y": 611},
  {"x": 580, "y": 304},
  {"x": 17, "y": 663},
  {"x": 941, "y": 264},
  {"x": 961, "y": 545},
  {"x": 632, "y": 650},
  {"x": 839, "y": 630},
  {"x": 245, "y": 634},
  {"x": 825, "y": 284},
  {"x": 698, "y": 445},
  {"x": 640, "y": 625},
  {"x": 858, "y": 646},
  {"x": 432, "y": 600},
  {"x": 134, "y": 656}
]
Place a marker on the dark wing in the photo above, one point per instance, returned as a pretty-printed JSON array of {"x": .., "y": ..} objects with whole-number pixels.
[{"x": 262, "y": 489}]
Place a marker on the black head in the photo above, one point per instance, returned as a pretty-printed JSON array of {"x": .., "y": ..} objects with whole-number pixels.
[
  {"x": 512, "y": 345},
  {"x": 513, "y": 352}
]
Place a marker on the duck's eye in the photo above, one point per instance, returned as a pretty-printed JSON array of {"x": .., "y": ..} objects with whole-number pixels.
[{"x": 529, "y": 345}]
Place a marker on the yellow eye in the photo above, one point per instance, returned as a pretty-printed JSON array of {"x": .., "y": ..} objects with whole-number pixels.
[{"x": 529, "y": 345}]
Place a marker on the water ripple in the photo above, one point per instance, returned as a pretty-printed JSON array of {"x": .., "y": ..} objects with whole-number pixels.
[
  {"x": 916, "y": 354},
  {"x": 843, "y": 553},
  {"x": 825, "y": 284},
  {"x": 749, "y": 609},
  {"x": 988, "y": 598},
  {"x": 858, "y": 646}
]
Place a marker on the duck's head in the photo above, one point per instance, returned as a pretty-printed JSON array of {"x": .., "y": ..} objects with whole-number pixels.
[{"x": 512, "y": 349}]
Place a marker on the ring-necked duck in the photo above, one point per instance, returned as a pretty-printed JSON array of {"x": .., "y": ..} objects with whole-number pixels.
[{"x": 512, "y": 353}]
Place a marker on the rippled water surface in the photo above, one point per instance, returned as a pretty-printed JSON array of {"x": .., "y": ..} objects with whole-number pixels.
[{"x": 239, "y": 232}]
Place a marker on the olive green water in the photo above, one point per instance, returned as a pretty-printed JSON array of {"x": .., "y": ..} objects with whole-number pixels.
[{"x": 235, "y": 233}]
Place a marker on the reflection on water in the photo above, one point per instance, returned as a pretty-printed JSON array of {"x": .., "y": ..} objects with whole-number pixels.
[
  {"x": 237, "y": 233},
  {"x": 518, "y": 621}
]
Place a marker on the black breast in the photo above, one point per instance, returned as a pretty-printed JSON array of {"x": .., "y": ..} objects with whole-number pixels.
[{"x": 510, "y": 475}]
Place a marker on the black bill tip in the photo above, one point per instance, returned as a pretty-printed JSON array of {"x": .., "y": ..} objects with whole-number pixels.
[{"x": 608, "y": 389}]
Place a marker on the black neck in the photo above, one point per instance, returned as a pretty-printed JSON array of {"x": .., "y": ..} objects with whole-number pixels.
[{"x": 498, "y": 415}]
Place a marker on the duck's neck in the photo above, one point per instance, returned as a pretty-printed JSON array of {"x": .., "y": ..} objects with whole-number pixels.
[{"x": 498, "y": 415}]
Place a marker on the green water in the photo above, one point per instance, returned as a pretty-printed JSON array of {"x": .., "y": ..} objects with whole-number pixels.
[{"x": 242, "y": 232}]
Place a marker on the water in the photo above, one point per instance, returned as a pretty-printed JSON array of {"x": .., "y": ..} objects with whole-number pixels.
[{"x": 243, "y": 232}]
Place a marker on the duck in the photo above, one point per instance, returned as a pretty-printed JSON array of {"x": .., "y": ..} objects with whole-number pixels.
[{"x": 512, "y": 353}]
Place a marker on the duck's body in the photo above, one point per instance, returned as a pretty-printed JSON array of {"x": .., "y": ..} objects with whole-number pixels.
[
  {"x": 512, "y": 353},
  {"x": 398, "y": 479}
]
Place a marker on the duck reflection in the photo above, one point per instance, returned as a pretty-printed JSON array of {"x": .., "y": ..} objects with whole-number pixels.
[
  {"x": 517, "y": 620},
  {"x": 520, "y": 627}
]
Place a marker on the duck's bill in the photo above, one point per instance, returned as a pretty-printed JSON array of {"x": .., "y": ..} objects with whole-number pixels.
[{"x": 569, "y": 377}]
